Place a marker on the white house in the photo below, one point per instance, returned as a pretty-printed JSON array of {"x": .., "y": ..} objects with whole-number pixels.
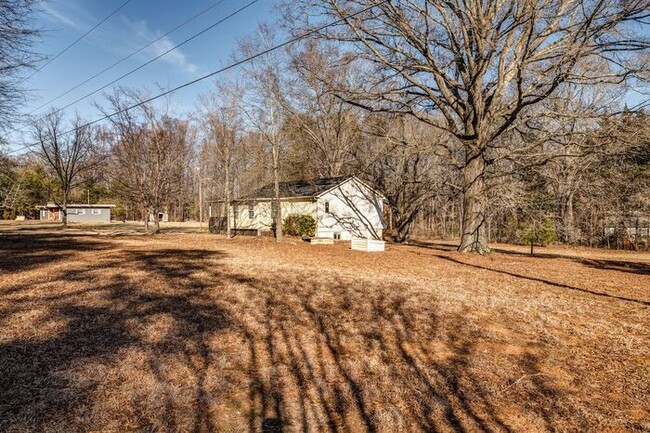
[{"x": 343, "y": 207}]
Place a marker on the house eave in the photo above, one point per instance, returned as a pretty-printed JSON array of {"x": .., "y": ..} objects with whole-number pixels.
[
  {"x": 76, "y": 205},
  {"x": 267, "y": 199},
  {"x": 382, "y": 196}
]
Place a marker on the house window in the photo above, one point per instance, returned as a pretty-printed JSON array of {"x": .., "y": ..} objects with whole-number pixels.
[
  {"x": 81, "y": 211},
  {"x": 327, "y": 207},
  {"x": 251, "y": 211},
  {"x": 96, "y": 211}
]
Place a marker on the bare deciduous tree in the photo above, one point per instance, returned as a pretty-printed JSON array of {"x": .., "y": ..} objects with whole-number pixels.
[
  {"x": 400, "y": 160},
  {"x": 265, "y": 108},
  {"x": 474, "y": 68},
  {"x": 322, "y": 130},
  {"x": 68, "y": 154},
  {"x": 17, "y": 34},
  {"x": 221, "y": 121},
  {"x": 149, "y": 155}
]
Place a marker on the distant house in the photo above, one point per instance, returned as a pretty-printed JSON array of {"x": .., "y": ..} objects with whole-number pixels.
[
  {"x": 77, "y": 212},
  {"x": 343, "y": 207},
  {"x": 631, "y": 224}
]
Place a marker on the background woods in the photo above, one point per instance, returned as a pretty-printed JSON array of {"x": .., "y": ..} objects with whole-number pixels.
[{"x": 484, "y": 121}]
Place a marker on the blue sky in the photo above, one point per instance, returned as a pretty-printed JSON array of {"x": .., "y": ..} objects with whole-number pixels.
[{"x": 135, "y": 25}]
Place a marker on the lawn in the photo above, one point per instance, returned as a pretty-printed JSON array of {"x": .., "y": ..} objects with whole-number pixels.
[{"x": 191, "y": 332}]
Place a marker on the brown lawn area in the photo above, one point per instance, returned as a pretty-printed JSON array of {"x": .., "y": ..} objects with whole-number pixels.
[{"x": 194, "y": 333}]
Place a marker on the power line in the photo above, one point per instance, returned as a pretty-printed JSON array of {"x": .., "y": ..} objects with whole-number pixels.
[
  {"x": 60, "y": 53},
  {"x": 218, "y": 71},
  {"x": 132, "y": 71},
  {"x": 139, "y": 50}
]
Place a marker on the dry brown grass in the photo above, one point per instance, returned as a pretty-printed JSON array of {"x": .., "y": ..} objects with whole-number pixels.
[{"x": 191, "y": 332}]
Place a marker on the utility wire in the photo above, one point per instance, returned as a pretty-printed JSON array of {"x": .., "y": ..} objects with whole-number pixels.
[
  {"x": 132, "y": 71},
  {"x": 139, "y": 50},
  {"x": 60, "y": 53},
  {"x": 218, "y": 71}
]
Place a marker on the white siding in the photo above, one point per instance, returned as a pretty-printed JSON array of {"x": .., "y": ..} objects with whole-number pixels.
[
  {"x": 369, "y": 245},
  {"x": 354, "y": 211},
  {"x": 262, "y": 217}
]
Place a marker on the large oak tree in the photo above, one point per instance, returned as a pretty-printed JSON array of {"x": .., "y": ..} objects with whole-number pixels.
[{"x": 476, "y": 68}]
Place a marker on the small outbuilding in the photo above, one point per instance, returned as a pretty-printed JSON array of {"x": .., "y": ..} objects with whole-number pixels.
[
  {"x": 343, "y": 207},
  {"x": 163, "y": 217},
  {"x": 77, "y": 212}
]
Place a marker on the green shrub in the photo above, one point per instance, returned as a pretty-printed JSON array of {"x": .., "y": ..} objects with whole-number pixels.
[
  {"x": 299, "y": 225},
  {"x": 8, "y": 214},
  {"x": 539, "y": 233}
]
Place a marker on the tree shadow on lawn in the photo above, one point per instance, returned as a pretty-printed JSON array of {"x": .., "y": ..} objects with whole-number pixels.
[
  {"x": 605, "y": 264},
  {"x": 36, "y": 393},
  {"x": 544, "y": 281},
  {"x": 617, "y": 265},
  {"x": 174, "y": 340},
  {"x": 22, "y": 251}
]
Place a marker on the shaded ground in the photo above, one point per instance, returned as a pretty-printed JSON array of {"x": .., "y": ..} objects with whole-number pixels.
[
  {"x": 191, "y": 332},
  {"x": 119, "y": 227}
]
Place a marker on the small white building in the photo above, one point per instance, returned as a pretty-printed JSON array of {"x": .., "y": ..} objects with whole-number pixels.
[
  {"x": 343, "y": 207},
  {"x": 163, "y": 217}
]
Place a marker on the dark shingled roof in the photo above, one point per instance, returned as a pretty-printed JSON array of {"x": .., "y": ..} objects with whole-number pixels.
[{"x": 298, "y": 188}]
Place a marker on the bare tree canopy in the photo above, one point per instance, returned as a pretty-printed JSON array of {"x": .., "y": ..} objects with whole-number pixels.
[
  {"x": 69, "y": 155},
  {"x": 321, "y": 129},
  {"x": 266, "y": 109},
  {"x": 473, "y": 68},
  {"x": 399, "y": 159},
  {"x": 220, "y": 119},
  {"x": 17, "y": 35},
  {"x": 150, "y": 153}
]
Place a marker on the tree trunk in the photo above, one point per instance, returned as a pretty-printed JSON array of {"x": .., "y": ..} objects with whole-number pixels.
[
  {"x": 64, "y": 209},
  {"x": 156, "y": 221},
  {"x": 474, "y": 236},
  {"x": 402, "y": 234},
  {"x": 570, "y": 220},
  {"x": 276, "y": 184},
  {"x": 403, "y": 224},
  {"x": 226, "y": 193},
  {"x": 201, "y": 198},
  {"x": 146, "y": 220}
]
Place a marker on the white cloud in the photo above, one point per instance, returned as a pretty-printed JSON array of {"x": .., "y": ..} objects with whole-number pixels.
[
  {"x": 121, "y": 36},
  {"x": 58, "y": 15},
  {"x": 139, "y": 34}
]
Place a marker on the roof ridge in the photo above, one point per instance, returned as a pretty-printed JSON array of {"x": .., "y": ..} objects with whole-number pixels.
[{"x": 297, "y": 188}]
